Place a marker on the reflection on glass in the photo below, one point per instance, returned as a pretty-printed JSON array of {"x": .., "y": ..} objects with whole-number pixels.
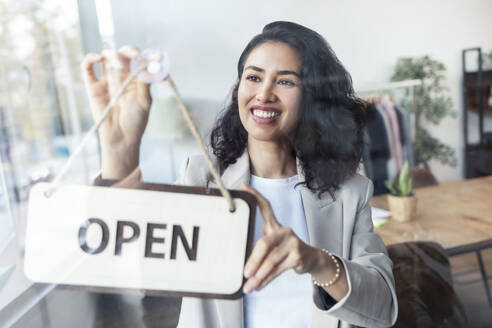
[
  {"x": 7, "y": 227},
  {"x": 43, "y": 113},
  {"x": 421, "y": 234}
]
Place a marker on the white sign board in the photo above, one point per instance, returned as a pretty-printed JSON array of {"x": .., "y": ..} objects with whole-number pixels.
[{"x": 176, "y": 241}]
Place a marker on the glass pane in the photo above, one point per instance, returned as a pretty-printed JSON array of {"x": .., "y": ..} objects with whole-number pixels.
[{"x": 43, "y": 115}]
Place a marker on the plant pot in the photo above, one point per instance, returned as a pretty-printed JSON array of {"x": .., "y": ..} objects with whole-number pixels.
[{"x": 402, "y": 208}]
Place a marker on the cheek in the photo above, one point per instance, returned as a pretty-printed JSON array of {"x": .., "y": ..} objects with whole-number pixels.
[
  {"x": 295, "y": 108},
  {"x": 244, "y": 93},
  {"x": 242, "y": 101},
  {"x": 241, "y": 95}
]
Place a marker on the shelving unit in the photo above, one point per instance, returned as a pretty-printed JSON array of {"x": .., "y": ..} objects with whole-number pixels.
[{"x": 476, "y": 95}]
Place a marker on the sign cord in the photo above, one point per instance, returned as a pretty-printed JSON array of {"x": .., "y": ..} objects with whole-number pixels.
[{"x": 188, "y": 119}]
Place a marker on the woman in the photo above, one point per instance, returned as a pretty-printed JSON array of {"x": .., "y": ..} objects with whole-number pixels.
[{"x": 292, "y": 136}]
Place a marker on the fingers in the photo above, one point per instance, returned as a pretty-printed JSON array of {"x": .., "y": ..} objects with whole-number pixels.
[
  {"x": 272, "y": 262},
  {"x": 111, "y": 60},
  {"x": 129, "y": 52},
  {"x": 265, "y": 209},
  {"x": 143, "y": 94},
  {"x": 117, "y": 63},
  {"x": 126, "y": 54},
  {"x": 291, "y": 261},
  {"x": 87, "y": 67},
  {"x": 276, "y": 262},
  {"x": 275, "y": 254},
  {"x": 260, "y": 251},
  {"x": 274, "y": 273}
]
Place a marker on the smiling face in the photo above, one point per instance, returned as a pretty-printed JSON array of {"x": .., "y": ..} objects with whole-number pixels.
[{"x": 270, "y": 92}]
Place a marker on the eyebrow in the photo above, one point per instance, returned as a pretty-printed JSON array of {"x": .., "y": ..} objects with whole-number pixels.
[{"x": 281, "y": 72}]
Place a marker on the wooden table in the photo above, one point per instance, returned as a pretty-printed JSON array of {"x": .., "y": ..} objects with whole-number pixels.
[
  {"x": 457, "y": 215},
  {"x": 454, "y": 214}
]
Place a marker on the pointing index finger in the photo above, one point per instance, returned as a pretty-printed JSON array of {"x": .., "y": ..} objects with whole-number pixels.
[{"x": 264, "y": 205}]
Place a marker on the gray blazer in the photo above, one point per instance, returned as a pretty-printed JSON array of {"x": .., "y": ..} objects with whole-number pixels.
[{"x": 342, "y": 226}]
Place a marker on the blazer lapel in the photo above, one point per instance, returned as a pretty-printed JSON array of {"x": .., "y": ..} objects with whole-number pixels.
[
  {"x": 324, "y": 217},
  {"x": 238, "y": 173},
  {"x": 230, "y": 312}
]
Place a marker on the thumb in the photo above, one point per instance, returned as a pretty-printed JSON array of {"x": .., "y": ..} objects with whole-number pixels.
[
  {"x": 265, "y": 209},
  {"x": 143, "y": 94}
]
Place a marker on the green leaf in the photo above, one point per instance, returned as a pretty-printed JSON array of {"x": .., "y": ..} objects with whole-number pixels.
[
  {"x": 390, "y": 187},
  {"x": 432, "y": 105}
]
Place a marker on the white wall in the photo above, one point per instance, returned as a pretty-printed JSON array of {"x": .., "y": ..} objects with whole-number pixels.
[{"x": 204, "y": 40}]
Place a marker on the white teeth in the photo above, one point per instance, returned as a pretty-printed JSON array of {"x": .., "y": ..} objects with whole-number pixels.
[{"x": 264, "y": 114}]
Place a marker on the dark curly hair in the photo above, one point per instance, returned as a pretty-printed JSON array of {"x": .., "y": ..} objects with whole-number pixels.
[{"x": 328, "y": 139}]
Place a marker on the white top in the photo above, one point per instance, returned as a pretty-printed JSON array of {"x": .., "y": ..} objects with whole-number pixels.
[{"x": 286, "y": 300}]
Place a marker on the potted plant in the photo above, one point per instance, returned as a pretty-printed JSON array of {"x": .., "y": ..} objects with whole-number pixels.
[
  {"x": 402, "y": 202},
  {"x": 429, "y": 105}
]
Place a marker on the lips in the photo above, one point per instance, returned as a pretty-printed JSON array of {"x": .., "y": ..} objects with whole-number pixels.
[
  {"x": 265, "y": 108},
  {"x": 264, "y": 114}
]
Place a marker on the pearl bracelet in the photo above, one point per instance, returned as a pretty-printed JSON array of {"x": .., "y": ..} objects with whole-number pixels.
[{"x": 335, "y": 278}]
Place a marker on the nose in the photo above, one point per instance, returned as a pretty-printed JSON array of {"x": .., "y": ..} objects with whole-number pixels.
[{"x": 266, "y": 93}]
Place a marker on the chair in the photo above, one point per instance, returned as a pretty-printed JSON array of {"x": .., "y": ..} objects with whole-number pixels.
[{"x": 424, "y": 286}]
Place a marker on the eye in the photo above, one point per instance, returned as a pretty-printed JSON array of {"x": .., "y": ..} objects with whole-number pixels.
[
  {"x": 286, "y": 83},
  {"x": 253, "y": 78}
]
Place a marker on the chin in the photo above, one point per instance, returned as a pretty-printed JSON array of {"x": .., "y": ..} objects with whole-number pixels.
[
  {"x": 265, "y": 132},
  {"x": 262, "y": 138},
  {"x": 264, "y": 135}
]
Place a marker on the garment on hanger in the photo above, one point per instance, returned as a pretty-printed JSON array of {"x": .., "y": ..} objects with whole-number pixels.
[
  {"x": 394, "y": 130},
  {"x": 391, "y": 162},
  {"x": 406, "y": 138},
  {"x": 379, "y": 149},
  {"x": 388, "y": 141}
]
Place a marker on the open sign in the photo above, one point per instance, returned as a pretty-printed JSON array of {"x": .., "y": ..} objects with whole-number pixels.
[{"x": 164, "y": 239}]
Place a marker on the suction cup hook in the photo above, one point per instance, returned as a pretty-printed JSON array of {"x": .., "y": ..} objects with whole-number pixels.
[{"x": 153, "y": 65}]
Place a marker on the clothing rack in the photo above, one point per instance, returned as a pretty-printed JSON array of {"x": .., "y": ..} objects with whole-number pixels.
[
  {"x": 389, "y": 86},
  {"x": 377, "y": 165},
  {"x": 381, "y": 87}
]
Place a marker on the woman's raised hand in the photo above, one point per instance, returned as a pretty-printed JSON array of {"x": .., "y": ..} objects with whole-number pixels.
[
  {"x": 121, "y": 133},
  {"x": 277, "y": 251}
]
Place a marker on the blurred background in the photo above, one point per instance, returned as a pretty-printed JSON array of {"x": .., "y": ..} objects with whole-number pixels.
[{"x": 44, "y": 113}]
